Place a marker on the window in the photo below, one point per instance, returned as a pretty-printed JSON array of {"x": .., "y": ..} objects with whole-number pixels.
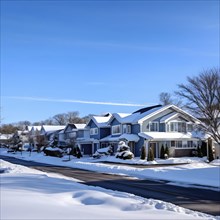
[
  {"x": 179, "y": 144},
  {"x": 190, "y": 144},
  {"x": 126, "y": 129},
  {"x": 173, "y": 144},
  {"x": 177, "y": 127},
  {"x": 93, "y": 131},
  {"x": 129, "y": 129},
  {"x": 153, "y": 126},
  {"x": 189, "y": 127},
  {"x": 116, "y": 129}
]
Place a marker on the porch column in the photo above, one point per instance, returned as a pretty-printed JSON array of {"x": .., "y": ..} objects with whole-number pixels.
[{"x": 146, "y": 146}]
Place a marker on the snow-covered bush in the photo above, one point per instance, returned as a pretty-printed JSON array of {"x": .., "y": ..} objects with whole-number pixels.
[
  {"x": 102, "y": 152},
  {"x": 53, "y": 151},
  {"x": 123, "y": 151}
]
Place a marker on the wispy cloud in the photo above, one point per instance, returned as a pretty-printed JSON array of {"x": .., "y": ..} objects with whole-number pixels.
[{"x": 41, "y": 99}]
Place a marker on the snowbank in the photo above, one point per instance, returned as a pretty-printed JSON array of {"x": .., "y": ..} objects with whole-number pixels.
[
  {"x": 197, "y": 172},
  {"x": 30, "y": 194}
]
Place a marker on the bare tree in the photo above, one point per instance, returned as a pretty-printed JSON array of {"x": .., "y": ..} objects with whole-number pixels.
[
  {"x": 8, "y": 129},
  {"x": 202, "y": 96},
  {"x": 73, "y": 117},
  {"x": 167, "y": 99},
  {"x": 60, "y": 119}
]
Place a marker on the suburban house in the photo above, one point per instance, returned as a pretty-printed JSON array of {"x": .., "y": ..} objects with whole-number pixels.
[
  {"x": 98, "y": 128},
  {"x": 71, "y": 133},
  {"x": 153, "y": 127},
  {"x": 51, "y": 131}
]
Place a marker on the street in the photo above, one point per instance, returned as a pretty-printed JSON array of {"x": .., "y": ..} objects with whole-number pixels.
[{"x": 203, "y": 200}]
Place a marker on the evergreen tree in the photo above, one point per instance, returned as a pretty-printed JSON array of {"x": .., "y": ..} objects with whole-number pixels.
[
  {"x": 150, "y": 156},
  {"x": 78, "y": 152},
  {"x": 143, "y": 153},
  {"x": 167, "y": 152},
  {"x": 204, "y": 149},
  {"x": 199, "y": 151},
  {"x": 162, "y": 152}
]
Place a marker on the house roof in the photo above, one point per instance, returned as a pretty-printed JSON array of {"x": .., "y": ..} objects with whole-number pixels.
[
  {"x": 135, "y": 116},
  {"x": 101, "y": 121},
  {"x": 166, "y": 136},
  {"x": 74, "y": 126},
  {"x": 48, "y": 128},
  {"x": 155, "y": 111},
  {"x": 128, "y": 137}
]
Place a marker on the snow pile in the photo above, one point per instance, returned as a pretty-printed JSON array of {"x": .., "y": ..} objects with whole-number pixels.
[
  {"x": 33, "y": 195},
  {"x": 216, "y": 162},
  {"x": 197, "y": 172}
]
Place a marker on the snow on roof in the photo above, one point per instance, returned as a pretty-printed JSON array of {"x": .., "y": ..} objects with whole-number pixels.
[
  {"x": 80, "y": 126},
  {"x": 101, "y": 121},
  {"x": 123, "y": 115},
  {"x": 136, "y": 116},
  {"x": 166, "y": 135},
  {"x": 53, "y": 127},
  {"x": 35, "y": 128},
  {"x": 128, "y": 137},
  {"x": 201, "y": 135}
]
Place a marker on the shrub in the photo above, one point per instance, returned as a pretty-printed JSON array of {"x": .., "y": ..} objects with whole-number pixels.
[
  {"x": 162, "y": 152},
  {"x": 54, "y": 152},
  {"x": 210, "y": 152},
  {"x": 123, "y": 151},
  {"x": 150, "y": 156},
  {"x": 167, "y": 152},
  {"x": 143, "y": 153}
]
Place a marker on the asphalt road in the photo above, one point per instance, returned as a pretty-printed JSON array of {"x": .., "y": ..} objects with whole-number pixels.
[{"x": 204, "y": 200}]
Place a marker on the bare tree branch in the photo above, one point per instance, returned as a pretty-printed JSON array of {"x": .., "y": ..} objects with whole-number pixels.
[{"x": 202, "y": 96}]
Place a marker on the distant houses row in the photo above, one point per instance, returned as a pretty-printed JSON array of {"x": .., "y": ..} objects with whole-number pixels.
[{"x": 153, "y": 126}]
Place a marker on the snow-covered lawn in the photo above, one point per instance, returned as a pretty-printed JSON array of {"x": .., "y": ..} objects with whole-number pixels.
[
  {"x": 196, "y": 172},
  {"x": 31, "y": 194}
]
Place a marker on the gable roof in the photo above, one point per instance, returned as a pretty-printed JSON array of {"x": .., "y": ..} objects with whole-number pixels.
[
  {"x": 163, "y": 108},
  {"x": 133, "y": 118},
  {"x": 47, "y": 128},
  {"x": 101, "y": 121},
  {"x": 74, "y": 126},
  {"x": 143, "y": 114}
]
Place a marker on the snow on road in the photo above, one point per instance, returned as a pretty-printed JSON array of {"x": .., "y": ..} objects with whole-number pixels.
[
  {"x": 197, "y": 172},
  {"x": 30, "y": 194}
]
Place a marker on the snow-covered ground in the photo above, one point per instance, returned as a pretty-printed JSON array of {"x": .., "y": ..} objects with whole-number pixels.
[
  {"x": 197, "y": 172},
  {"x": 31, "y": 194}
]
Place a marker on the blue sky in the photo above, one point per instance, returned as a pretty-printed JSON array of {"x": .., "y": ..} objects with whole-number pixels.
[{"x": 60, "y": 56}]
